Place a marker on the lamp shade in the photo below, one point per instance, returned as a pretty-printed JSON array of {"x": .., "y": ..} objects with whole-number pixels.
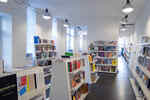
[
  {"x": 128, "y": 8},
  {"x": 3, "y": 1},
  {"x": 46, "y": 14}
]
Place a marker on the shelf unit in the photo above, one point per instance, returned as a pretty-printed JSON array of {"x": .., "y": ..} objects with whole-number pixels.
[
  {"x": 140, "y": 70},
  {"x": 105, "y": 56},
  {"x": 72, "y": 81},
  {"x": 146, "y": 91},
  {"x": 45, "y": 56},
  {"x": 30, "y": 83},
  {"x": 93, "y": 74},
  {"x": 135, "y": 89}
]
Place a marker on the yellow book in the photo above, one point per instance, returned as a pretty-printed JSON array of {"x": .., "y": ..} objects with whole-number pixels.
[
  {"x": 74, "y": 98},
  {"x": 115, "y": 62},
  {"x": 90, "y": 59},
  {"x": 28, "y": 89},
  {"x": 94, "y": 68}
]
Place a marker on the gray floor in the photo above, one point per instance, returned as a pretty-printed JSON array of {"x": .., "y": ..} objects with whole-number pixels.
[{"x": 111, "y": 87}]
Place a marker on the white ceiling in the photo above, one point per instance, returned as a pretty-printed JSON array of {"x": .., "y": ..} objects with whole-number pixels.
[{"x": 101, "y": 16}]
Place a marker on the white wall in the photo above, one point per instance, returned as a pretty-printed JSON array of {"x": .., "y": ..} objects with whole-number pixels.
[
  {"x": 61, "y": 38},
  {"x": 0, "y": 39},
  {"x": 143, "y": 22},
  {"x": 19, "y": 30},
  {"x": 43, "y": 27},
  {"x": 103, "y": 28},
  {"x": 6, "y": 35}
]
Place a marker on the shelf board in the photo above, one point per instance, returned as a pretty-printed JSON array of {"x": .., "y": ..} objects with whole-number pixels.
[
  {"x": 105, "y": 51},
  {"x": 96, "y": 79},
  {"x": 44, "y": 44},
  {"x": 31, "y": 94},
  {"x": 83, "y": 96},
  {"x": 107, "y": 72},
  {"x": 107, "y": 45},
  {"x": 47, "y": 86},
  {"x": 138, "y": 97},
  {"x": 78, "y": 70},
  {"x": 39, "y": 51},
  {"x": 93, "y": 72},
  {"x": 108, "y": 57},
  {"x": 48, "y": 58},
  {"x": 146, "y": 91},
  {"x": 144, "y": 70},
  {"x": 47, "y": 98},
  {"x": 78, "y": 86},
  {"x": 47, "y": 74},
  {"x": 104, "y": 64}
]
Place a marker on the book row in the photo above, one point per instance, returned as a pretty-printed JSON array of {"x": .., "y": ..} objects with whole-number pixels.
[
  {"x": 146, "y": 51},
  {"x": 43, "y": 55},
  {"x": 43, "y": 48},
  {"x": 79, "y": 95},
  {"x": 145, "y": 62},
  {"x": 145, "y": 78},
  {"x": 38, "y": 40},
  {"x": 75, "y": 65},
  {"x": 106, "y": 69},
  {"x": 113, "y": 62},
  {"x": 105, "y": 48},
  {"x": 106, "y": 42},
  {"x": 106, "y": 54},
  {"x": 77, "y": 79}
]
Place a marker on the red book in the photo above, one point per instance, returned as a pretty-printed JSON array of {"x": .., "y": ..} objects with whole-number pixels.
[
  {"x": 70, "y": 66},
  {"x": 23, "y": 80},
  {"x": 78, "y": 64}
]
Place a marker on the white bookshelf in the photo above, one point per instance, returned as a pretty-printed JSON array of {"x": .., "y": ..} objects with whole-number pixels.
[
  {"x": 107, "y": 72},
  {"x": 61, "y": 83},
  {"x": 146, "y": 91},
  {"x": 105, "y": 64},
  {"x": 144, "y": 70},
  {"x": 105, "y": 54},
  {"x": 134, "y": 87},
  {"x": 105, "y": 51},
  {"x": 39, "y": 91}
]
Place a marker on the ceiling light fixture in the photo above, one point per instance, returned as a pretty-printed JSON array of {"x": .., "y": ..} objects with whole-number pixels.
[
  {"x": 66, "y": 24},
  {"x": 128, "y": 8},
  {"x": 124, "y": 20},
  {"x": 46, "y": 14},
  {"x": 123, "y": 29},
  {"x": 3, "y": 1}
]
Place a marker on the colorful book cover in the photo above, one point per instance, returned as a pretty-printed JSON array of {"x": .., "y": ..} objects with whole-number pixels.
[
  {"x": 28, "y": 88},
  {"x": 23, "y": 80},
  {"x": 94, "y": 68},
  {"x": 31, "y": 82},
  {"x": 35, "y": 81},
  {"x": 23, "y": 91}
]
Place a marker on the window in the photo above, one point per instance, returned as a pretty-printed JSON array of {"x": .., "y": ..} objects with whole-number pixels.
[
  {"x": 70, "y": 39},
  {"x": 31, "y": 29},
  {"x": 81, "y": 42}
]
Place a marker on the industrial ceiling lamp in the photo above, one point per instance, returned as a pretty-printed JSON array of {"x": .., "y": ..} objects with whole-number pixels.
[
  {"x": 66, "y": 24},
  {"x": 124, "y": 20},
  {"x": 123, "y": 27},
  {"x": 128, "y": 8},
  {"x": 46, "y": 14},
  {"x": 3, "y": 1}
]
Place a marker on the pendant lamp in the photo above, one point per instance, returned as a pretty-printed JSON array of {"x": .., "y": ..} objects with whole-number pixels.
[
  {"x": 46, "y": 14},
  {"x": 128, "y": 8}
]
